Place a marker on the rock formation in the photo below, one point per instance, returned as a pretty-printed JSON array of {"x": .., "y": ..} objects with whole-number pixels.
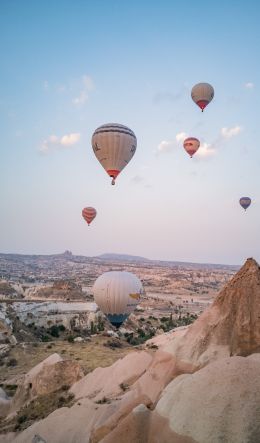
[
  {"x": 229, "y": 327},
  {"x": 60, "y": 290},
  {"x": 48, "y": 376}
]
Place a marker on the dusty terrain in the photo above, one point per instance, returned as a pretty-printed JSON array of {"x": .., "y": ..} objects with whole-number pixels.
[{"x": 90, "y": 355}]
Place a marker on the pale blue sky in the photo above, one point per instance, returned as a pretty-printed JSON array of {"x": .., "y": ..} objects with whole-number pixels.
[{"x": 70, "y": 66}]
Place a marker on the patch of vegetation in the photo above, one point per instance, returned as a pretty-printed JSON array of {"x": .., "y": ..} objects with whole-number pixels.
[
  {"x": 113, "y": 344},
  {"x": 93, "y": 328},
  {"x": 102, "y": 401},
  {"x": 70, "y": 339},
  {"x": 54, "y": 331},
  {"x": 124, "y": 386},
  {"x": 45, "y": 338},
  {"x": 9, "y": 389},
  {"x": 169, "y": 323},
  {"x": 36, "y": 410},
  {"x": 153, "y": 346},
  {"x": 12, "y": 362},
  {"x": 142, "y": 336}
]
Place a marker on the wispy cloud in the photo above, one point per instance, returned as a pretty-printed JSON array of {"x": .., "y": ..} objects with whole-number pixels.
[
  {"x": 87, "y": 85},
  {"x": 249, "y": 85},
  {"x": 231, "y": 132},
  {"x": 53, "y": 141}
]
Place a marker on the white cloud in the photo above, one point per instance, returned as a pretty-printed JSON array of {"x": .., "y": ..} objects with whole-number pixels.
[
  {"x": 165, "y": 146},
  {"x": 249, "y": 85},
  {"x": 87, "y": 86},
  {"x": 231, "y": 132},
  {"x": 205, "y": 150},
  {"x": 168, "y": 145},
  {"x": 180, "y": 137},
  {"x": 55, "y": 142},
  {"x": 70, "y": 139}
]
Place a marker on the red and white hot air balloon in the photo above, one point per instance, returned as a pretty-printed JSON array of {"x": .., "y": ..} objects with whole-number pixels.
[
  {"x": 114, "y": 145},
  {"x": 89, "y": 214},
  {"x": 191, "y": 145},
  {"x": 202, "y": 94}
]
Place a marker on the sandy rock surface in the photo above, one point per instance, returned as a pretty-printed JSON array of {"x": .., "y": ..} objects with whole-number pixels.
[
  {"x": 105, "y": 382},
  {"x": 220, "y": 402}
]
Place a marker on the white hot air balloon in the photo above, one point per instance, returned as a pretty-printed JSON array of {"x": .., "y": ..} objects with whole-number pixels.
[
  {"x": 114, "y": 145},
  {"x": 117, "y": 293},
  {"x": 202, "y": 94}
]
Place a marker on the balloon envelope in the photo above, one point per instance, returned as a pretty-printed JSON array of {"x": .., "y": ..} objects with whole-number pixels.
[
  {"x": 245, "y": 202},
  {"x": 202, "y": 94},
  {"x": 191, "y": 145},
  {"x": 114, "y": 145},
  {"x": 89, "y": 214},
  {"x": 117, "y": 293}
]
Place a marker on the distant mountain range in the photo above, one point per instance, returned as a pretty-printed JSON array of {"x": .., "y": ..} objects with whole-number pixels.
[
  {"x": 122, "y": 257},
  {"x": 67, "y": 255}
]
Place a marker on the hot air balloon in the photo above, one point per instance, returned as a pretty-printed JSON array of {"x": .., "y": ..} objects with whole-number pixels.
[
  {"x": 191, "y": 145},
  {"x": 117, "y": 293},
  {"x": 202, "y": 94},
  {"x": 114, "y": 145},
  {"x": 245, "y": 202},
  {"x": 89, "y": 214}
]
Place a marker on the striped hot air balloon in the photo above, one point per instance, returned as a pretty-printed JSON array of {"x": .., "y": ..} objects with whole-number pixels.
[
  {"x": 202, "y": 94},
  {"x": 114, "y": 145},
  {"x": 245, "y": 202},
  {"x": 117, "y": 293},
  {"x": 191, "y": 145},
  {"x": 89, "y": 214}
]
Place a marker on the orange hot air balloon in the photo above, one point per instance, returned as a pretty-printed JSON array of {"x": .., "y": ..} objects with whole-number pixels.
[
  {"x": 89, "y": 214},
  {"x": 191, "y": 145},
  {"x": 202, "y": 94}
]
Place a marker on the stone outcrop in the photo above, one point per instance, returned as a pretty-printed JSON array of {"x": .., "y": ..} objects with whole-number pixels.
[
  {"x": 229, "y": 327},
  {"x": 218, "y": 403},
  {"x": 60, "y": 290},
  {"x": 48, "y": 376}
]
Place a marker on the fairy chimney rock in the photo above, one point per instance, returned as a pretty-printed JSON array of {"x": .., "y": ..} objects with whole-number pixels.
[{"x": 231, "y": 326}]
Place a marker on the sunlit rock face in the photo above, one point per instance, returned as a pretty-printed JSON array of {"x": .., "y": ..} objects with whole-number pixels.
[
  {"x": 218, "y": 403},
  {"x": 229, "y": 327}
]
